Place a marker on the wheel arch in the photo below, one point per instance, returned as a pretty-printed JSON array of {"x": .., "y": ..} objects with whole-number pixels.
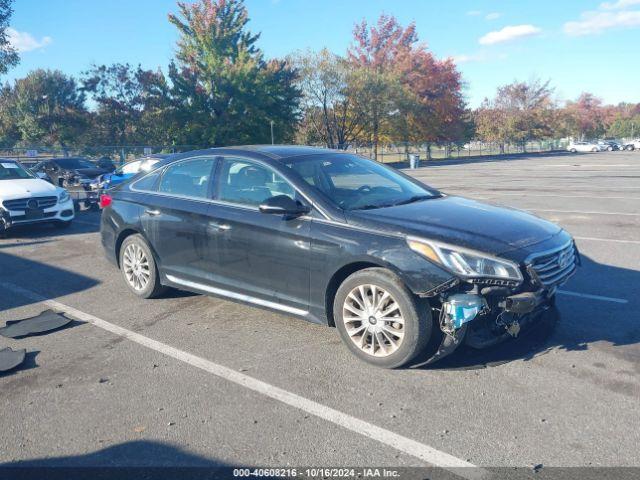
[
  {"x": 123, "y": 235},
  {"x": 341, "y": 275}
]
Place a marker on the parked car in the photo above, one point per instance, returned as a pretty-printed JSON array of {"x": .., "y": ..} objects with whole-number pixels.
[
  {"x": 633, "y": 145},
  {"x": 608, "y": 145},
  {"x": 125, "y": 172},
  {"x": 75, "y": 174},
  {"x": 25, "y": 199},
  {"x": 106, "y": 163},
  {"x": 583, "y": 147},
  {"x": 401, "y": 269}
]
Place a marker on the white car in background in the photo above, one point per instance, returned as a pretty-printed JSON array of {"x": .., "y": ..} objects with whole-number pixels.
[
  {"x": 632, "y": 145},
  {"x": 583, "y": 147},
  {"x": 26, "y": 199}
]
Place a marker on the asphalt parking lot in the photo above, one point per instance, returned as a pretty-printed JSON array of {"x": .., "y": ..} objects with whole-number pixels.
[{"x": 194, "y": 380}]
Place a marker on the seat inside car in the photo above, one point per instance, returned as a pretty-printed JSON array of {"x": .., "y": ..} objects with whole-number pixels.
[{"x": 248, "y": 185}]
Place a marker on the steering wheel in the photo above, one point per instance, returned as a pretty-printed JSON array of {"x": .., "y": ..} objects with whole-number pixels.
[{"x": 364, "y": 188}]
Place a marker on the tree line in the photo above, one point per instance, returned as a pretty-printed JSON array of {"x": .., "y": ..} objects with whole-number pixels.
[{"x": 221, "y": 90}]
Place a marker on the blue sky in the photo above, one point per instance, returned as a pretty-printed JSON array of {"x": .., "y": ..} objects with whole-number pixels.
[{"x": 580, "y": 45}]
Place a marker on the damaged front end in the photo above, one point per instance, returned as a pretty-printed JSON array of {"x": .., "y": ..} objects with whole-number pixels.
[{"x": 483, "y": 311}]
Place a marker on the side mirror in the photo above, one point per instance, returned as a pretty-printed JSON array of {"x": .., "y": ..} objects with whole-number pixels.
[{"x": 283, "y": 205}]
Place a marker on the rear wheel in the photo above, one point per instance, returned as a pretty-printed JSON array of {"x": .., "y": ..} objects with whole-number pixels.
[
  {"x": 573, "y": 150},
  {"x": 594, "y": 149},
  {"x": 380, "y": 320},
  {"x": 139, "y": 268}
]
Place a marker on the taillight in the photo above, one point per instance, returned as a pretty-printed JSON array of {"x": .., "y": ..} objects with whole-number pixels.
[{"x": 105, "y": 200}]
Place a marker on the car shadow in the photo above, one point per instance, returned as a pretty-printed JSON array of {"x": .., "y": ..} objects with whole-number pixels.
[
  {"x": 582, "y": 323},
  {"x": 84, "y": 222},
  {"x": 133, "y": 459},
  {"x": 43, "y": 279}
]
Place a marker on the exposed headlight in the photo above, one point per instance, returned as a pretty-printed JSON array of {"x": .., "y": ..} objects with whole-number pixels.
[
  {"x": 64, "y": 197},
  {"x": 466, "y": 263}
]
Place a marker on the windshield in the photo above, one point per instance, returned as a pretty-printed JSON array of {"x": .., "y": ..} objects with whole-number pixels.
[
  {"x": 13, "y": 171},
  {"x": 355, "y": 183},
  {"x": 74, "y": 163}
]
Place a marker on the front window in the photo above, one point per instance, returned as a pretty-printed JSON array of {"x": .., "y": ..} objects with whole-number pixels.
[
  {"x": 355, "y": 183},
  {"x": 13, "y": 171},
  {"x": 248, "y": 183},
  {"x": 74, "y": 163}
]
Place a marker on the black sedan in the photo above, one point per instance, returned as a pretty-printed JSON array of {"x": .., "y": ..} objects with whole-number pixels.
[
  {"x": 74, "y": 174},
  {"x": 402, "y": 270}
]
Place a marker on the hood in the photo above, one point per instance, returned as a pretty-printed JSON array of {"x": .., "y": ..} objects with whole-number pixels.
[
  {"x": 90, "y": 172},
  {"x": 28, "y": 187},
  {"x": 460, "y": 221}
]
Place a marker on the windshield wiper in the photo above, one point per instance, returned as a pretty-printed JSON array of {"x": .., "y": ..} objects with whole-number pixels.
[{"x": 415, "y": 198}]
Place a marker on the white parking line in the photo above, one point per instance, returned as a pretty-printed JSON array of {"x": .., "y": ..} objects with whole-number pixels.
[
  {"x": 583, "y": 212},
  {"x": 525, "y": 194},
  {"x": 406, "y": 445},
  {"x": 594, "y": 239},
  {"x": 592, "y": 297}
]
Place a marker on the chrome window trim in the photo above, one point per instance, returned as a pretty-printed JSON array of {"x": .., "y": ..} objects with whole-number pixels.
[
  {"x": 237, "y": 296},
  {"x": 214, "y": 201}
]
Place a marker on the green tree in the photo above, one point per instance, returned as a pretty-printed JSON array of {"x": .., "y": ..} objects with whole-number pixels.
[
  {"x": 224, "y": 91},
  {"x": 44, "y": 108},
  {"x": 330, "y": 111},
  {"x": 8, "y": 55}
]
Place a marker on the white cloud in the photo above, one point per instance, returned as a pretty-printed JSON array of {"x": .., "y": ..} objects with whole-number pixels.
[
  {"x": 474, "y": 13},
  {"x": 597, "y": 21},
  {"x": 25, "y": 42},
  {"x": 619, "y": 5},
  {"x": 508, "y": 34},
  {"x": 492, "y": 16}
]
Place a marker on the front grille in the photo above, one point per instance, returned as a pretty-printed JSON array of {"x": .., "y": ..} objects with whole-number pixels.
[
  {"x": 552, "y": 269},
  {"x": 21, "y": 203}
]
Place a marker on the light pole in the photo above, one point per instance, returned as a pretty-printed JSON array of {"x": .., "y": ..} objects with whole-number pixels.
[{"x": 272, "y": 142}]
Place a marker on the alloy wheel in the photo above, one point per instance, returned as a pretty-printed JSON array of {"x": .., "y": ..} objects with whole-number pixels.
[
  {"x": 373, "y": 320},
  {"x": 136, "y": 267}
]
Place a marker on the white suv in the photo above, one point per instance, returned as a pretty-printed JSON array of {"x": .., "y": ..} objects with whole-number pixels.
[
  {"x": 583, "y": 147},
  {"x": 25, "y": 198}
]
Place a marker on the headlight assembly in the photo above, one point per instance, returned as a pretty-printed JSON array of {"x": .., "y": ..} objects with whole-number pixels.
[
  {"x": 64, "y": 197},
  {"x": 466, "y": 263}
]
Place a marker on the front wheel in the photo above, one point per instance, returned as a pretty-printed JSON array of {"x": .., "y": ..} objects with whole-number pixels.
[
  {"x": 594, "y": 149},
  {"x": 139, "y": 268},
  {"x": 573, "y": 150},
  {"x": 380, "y": 320}
]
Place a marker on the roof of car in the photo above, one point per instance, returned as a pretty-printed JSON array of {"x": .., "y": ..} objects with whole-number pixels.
[{"x": 274, "y": 152}]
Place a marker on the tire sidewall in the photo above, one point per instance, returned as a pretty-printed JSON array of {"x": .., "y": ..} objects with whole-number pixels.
[
  {"x": 152, "y": 285},
  {"x": 415, "y": 311}
]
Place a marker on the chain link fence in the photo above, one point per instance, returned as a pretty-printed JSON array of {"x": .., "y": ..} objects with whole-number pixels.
[{"x": 386, "y": 152}]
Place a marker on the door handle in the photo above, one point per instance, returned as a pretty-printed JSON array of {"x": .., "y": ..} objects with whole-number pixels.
[
  {"x": 219, "y": 227},
  {"x": 153, "y": 213}
]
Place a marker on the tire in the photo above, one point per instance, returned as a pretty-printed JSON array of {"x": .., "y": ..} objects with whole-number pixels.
[
  {"x": 573, "y": 150},
  {"x": 594, "y": 149},
  {"x": 139, "y": 268},
  {"x": 609, "y": 149},
  {"x": 62, "y": 224},
  {"x": 401, "y": 341}
]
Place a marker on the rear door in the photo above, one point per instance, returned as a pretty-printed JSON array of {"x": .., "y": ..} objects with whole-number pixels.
[
  {"x": 261, "y": 255},
  {"x": 177, "y": 222}
]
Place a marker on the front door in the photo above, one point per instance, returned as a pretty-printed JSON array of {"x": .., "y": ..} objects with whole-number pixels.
[{"x": 261, "y": 255}]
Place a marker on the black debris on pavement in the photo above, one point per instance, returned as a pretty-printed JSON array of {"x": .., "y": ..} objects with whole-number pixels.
[
  {"x": 45, "y": 322},
  {"x": 10, "y": 359}
]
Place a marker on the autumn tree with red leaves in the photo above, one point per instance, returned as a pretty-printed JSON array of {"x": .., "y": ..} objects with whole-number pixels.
[{"x": 407, "y": 93}]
